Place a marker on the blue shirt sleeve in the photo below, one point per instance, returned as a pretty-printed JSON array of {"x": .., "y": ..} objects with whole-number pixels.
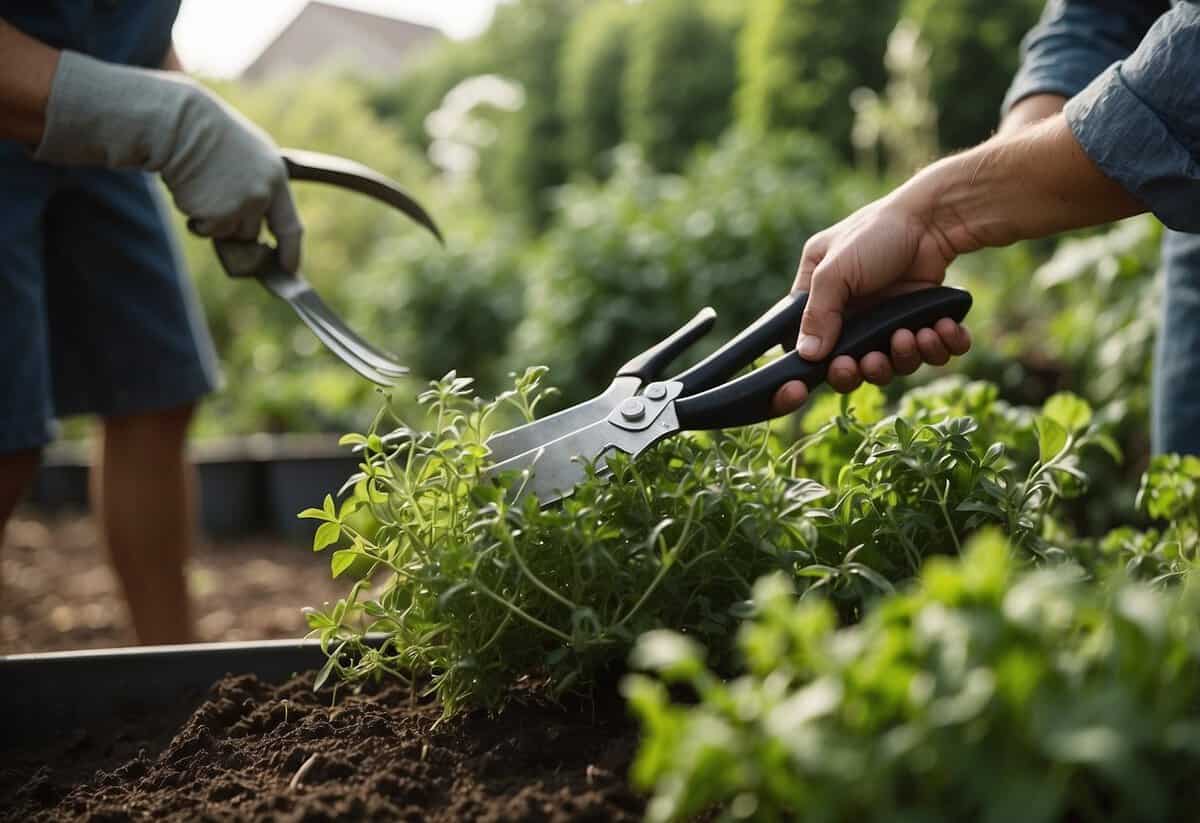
[
  {"x": 1075, "y": 40},
  {"x": 1139, "y": 121}
]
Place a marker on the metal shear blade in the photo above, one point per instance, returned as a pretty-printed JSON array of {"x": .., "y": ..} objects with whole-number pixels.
[{"x": 556, "y": 468}]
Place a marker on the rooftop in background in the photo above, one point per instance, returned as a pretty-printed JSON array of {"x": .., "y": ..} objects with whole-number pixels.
[{"x": 323, "y": 33}]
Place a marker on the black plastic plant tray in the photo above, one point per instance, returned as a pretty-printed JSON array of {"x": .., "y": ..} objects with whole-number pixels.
[{"x": 51, "y": 694}]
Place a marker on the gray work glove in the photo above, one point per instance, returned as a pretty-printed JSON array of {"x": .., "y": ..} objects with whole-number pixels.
[{"x": 224, "y": 172}]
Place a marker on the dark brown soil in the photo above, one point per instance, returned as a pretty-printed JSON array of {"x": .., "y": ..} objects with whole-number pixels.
[
  {"x": 58, "y": 592},
  {"x": 253, "y": 751}
]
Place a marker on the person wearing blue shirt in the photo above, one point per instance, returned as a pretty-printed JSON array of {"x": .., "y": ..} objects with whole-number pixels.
[
  {"x": 1102, "y": 122},
  {"x": 1075, "y": 43},
  {"x": 97, "y": 316}
]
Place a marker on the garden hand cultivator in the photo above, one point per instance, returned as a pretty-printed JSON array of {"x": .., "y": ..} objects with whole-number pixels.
[
  {"x": 638, "y": 409},
  {"x": 261, "y": 261}
]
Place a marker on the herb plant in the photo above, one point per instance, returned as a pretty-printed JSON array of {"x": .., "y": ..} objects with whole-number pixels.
[
  {"x": 1169, "y": 493},
  {"x": 983, "y": 694},
  {"x": 474, "y": 592},
  {"x": 915, "y": 484}
]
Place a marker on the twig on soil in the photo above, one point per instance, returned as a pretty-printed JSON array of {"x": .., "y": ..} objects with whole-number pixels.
[{"x": 300, "y": 772}]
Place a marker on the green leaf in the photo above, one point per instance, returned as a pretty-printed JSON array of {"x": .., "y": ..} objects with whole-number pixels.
[
  {"x": 327, "y": 534},
  {"x": 1068, "y": 410},
  {"x": 342, "y": 560},
  {"x": 1052, "y": 437},
  {"x": 325, "y": 671},
  {"x": 313, "y": 514}
]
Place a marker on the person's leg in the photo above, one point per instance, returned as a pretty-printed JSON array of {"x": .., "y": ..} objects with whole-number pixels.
[
  {"x": 1176, "y": 412},
  {"x": 128, "y": 345},
  {"x": 142, "y": 494}
]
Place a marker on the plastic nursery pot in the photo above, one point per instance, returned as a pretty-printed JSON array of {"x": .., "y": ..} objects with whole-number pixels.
[
  {"x": 230, "y": 479},
  {"x": 299, "y": 472},
  {"x": 61, "y": 482},
  {"x": 56, "y": 694}
]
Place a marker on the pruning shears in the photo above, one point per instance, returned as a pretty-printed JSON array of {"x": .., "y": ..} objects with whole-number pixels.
[{"x": 638, "y": 409}]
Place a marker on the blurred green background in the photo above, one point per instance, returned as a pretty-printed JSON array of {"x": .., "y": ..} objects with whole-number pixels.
[{"x": 603, "y": 169}]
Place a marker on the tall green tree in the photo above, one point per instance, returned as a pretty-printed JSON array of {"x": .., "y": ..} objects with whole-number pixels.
[
  {"x": 801, "y": 59},
  {"x": 974, "y": 48},
  {"x": 593, "y": 71},
  {"x": 526, "y": 40},
  {"x": 680, "y": 80}
]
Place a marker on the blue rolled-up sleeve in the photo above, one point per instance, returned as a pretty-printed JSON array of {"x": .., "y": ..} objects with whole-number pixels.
[
  {"x": 1139, "y": 121},
  {"x": 1075, "y": 40}
]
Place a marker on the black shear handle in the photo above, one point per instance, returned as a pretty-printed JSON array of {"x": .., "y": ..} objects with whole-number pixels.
[
  {"x": 777, "y": 326},
  {"x": 747, "y": 400},
  {"x": 249, "y": 258}
]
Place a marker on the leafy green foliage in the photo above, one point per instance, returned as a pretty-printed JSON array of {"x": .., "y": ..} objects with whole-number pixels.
[
  {"x": 593, "y": 73},
  {"x": 528, "y": 158},
  {"x": 448, "y": 308},
  {"x": 952, "y": 460},
  {"x": 1170, "y": 493},
  {"x": 975, "y": 47},
  {"x": 1087, "y": 322},
  {"x": 475, "y": 592},
  {"x": 801, "y": 59},
  {"x": 982, "y": 694},
  {"x": 680, "y": 80}
]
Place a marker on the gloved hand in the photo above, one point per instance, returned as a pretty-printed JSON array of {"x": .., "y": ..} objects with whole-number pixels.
[{"x": 224, "y": 172}]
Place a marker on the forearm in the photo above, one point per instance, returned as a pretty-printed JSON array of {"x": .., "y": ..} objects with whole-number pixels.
[
  {"x": 1032, "y": 183},
  {"x": 26, "y": 74}
]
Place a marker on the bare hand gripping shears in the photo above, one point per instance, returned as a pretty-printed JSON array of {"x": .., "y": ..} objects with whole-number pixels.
[{"x": 638, "y": 409}]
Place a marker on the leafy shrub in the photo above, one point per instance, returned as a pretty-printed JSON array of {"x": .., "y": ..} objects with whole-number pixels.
[
  {"x": 403, "y": 101},
  {"x": 951, "y": 460},
  {"x": 801, "y": 59},
  {"x": 475, "y": 592},
  {"x": 983, "y": 694},
  {"x": 1085, "y": 320},
  {"x": 975, "y": 53},
  {"x": 628, "y": 261},
  {"x": 1170, "y": 492},
  {"x": 680, "y": 80},
  {"x": 593, "y": 74}
]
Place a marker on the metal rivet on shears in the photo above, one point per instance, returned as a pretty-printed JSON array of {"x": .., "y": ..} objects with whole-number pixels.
[
  {"x": 633, "y": 409},
  {"x": 656, "y": 391}
]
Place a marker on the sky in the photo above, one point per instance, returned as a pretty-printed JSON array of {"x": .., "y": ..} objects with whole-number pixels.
[{"x": 220, "y": 37}]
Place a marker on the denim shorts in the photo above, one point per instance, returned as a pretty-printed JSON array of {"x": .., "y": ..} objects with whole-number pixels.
[{"x": 96, "y": 313}]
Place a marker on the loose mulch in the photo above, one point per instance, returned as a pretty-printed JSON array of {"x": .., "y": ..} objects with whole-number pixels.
[
  {"x": 253, "y": 751},
  {"x": 58, "y": 592}
]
